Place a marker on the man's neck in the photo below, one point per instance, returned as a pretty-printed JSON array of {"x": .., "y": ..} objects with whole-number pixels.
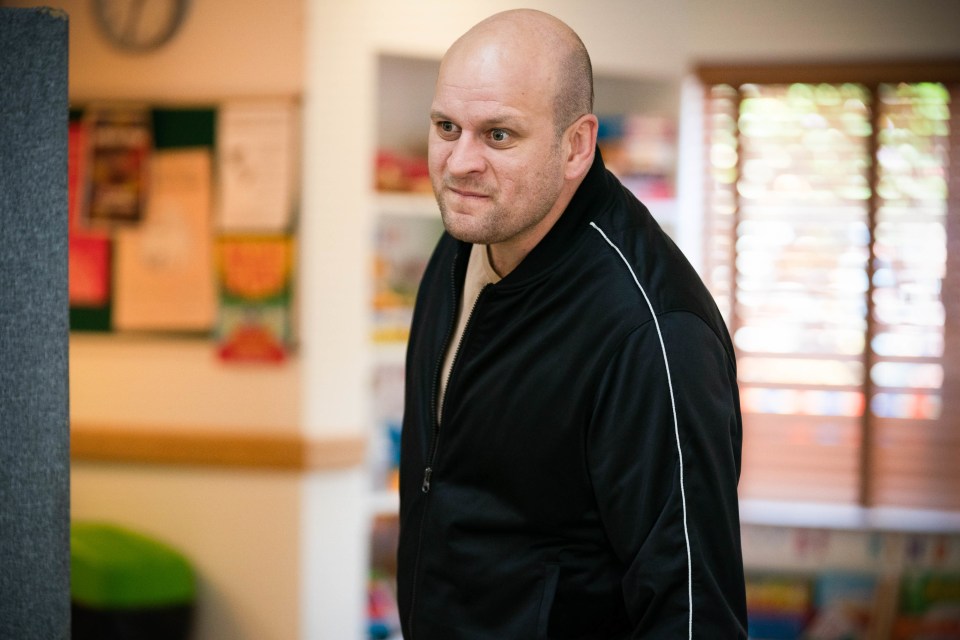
[
  {"x": 493, "y": 264},
  {"x": 504, "y": 257}
]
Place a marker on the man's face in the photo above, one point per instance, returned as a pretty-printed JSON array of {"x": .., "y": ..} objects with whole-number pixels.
[{"x": 495, "y": 160}]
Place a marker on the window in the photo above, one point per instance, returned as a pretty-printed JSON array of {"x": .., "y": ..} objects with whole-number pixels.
[{"x": 833, "y": 248}]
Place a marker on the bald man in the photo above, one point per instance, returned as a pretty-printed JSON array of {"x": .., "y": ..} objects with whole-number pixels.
[{"x": 571, "y": 437}]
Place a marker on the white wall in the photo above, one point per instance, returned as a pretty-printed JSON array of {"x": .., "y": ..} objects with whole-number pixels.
[
  {"x": 239, "y": 529},
  {"x": 821, "y": 30},
  {"x": 178, "y": 382},
  {"x": 225, "y": 49},
  {"x": 241, "y": 48}
]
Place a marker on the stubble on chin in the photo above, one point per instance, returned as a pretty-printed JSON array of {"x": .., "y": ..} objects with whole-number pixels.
[
  {"x": 459, "y": 226},
  {"x": 474, "y": 227}
]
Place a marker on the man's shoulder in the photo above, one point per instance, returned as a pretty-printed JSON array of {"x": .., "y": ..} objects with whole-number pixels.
[{"x": 637, "y": 261}]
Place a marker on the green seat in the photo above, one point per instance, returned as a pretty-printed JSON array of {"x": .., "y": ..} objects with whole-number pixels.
[{"x": 125, "y": 584}]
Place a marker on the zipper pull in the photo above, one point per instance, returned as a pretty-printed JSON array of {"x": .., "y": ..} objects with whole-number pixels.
[{"x": 425, "y": 487}]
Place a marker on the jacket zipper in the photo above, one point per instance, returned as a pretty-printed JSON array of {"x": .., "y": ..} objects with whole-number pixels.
[
  {"x": 435, "y": 389},
  {"x": 435, "y": 422},
  {"x": 428, "y": 471},
  {"x": 434, "y": 444}
]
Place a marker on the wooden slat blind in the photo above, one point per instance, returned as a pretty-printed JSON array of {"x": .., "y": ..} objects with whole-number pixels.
[
  {"x": 833, "y": 248},
  {"x": 914, "y": 460}
]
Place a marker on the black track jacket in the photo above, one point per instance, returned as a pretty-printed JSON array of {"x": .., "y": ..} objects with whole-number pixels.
[{"x": 584, "y": 481}]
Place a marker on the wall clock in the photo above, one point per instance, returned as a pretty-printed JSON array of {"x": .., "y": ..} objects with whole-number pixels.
[{"x": 140, "y": 25}]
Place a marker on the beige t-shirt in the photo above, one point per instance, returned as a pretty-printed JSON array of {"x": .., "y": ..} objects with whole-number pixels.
[{"x": 480, "y": 273}]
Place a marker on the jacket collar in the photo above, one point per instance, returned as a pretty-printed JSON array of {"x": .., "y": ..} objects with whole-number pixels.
[{"x": 588, "y": 201}]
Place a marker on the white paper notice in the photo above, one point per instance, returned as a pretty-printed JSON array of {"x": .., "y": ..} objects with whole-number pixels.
[
  {"x": 257, "y": 156},
  {"x": 164, "y": 275}
]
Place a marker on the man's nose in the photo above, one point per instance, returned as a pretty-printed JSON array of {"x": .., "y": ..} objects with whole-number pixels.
[{"x": 466, "y": 156}]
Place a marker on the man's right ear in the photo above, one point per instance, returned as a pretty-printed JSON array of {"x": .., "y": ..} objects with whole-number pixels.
[{"x": 582, "y": 144}]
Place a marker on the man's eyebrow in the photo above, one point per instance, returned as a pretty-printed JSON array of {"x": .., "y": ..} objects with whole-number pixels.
[
  {"x": 507, "y": 121},
  {"x": 500, "y": 120}
]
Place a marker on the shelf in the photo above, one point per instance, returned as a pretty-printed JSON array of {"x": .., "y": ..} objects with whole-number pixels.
[
  {"x": 421, "y": 205},
  {"x": 384, "y": 503},
  {"x": 847, "y": 517},
  {"x": 791, "y": 515},
  {"x": 393, "y": 352}
]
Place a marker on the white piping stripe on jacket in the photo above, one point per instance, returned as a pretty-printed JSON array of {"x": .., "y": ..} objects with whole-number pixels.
[{"x": 676, "y": 429}]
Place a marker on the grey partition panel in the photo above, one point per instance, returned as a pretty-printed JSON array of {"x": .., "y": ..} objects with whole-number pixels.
[{"x": 34, "y": 330}]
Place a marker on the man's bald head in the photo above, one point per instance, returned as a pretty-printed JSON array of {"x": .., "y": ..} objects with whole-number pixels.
[{"x": 522, "y": 36}]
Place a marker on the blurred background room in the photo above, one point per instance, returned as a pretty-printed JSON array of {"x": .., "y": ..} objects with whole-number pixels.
[{"x": 250, "y": 214}]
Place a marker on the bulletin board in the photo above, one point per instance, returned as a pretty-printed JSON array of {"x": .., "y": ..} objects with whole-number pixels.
[
  {"x": 171, "y": 128},
  {"x": 179, "y": 218}
]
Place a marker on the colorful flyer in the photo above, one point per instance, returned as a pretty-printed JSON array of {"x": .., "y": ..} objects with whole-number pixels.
[
  {"x": 89, "y": 251},
  {"x": 119, "y": 150},
  {"x": 255, "y": 281}
]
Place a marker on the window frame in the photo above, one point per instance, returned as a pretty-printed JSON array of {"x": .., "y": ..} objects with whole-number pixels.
[{"x": 864, "y": 514}]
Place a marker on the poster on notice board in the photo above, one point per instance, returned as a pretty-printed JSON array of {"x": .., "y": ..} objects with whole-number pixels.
[
  {"x": 257, "y": 160},
  {"x": 164, "y": 265},
  {"x": 89, "y": 249},
  {"x": 119, "y": 144},
  {"x": 255, "y": 283}
]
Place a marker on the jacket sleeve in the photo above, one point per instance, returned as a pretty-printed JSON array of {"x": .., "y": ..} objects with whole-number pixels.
[{"x": 664, "y": 458}]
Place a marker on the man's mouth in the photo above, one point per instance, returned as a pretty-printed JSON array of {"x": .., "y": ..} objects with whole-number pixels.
[{"x": 466, "y": 193}]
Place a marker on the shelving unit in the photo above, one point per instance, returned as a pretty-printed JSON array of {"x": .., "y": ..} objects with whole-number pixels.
[
  {"x": 417, "y": 205},
  {"x": 405, "y": 87}
]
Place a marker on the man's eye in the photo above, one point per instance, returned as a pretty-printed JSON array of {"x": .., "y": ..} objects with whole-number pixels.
[
  {"x": 447, "y": 127},
  {"x": 499, "y": 135}
]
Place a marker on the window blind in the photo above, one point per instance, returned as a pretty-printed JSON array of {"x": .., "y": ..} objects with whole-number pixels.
[{"x": 832, "y": 252}]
